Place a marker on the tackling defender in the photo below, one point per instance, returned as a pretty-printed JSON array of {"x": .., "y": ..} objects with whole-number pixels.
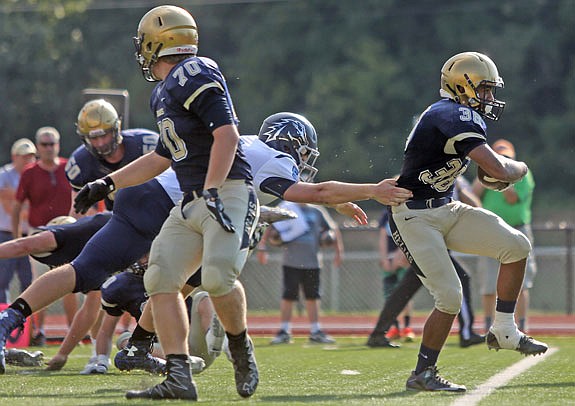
[
  {"x": 284, "y": 176},
  {"x": 131, "y": 218}
]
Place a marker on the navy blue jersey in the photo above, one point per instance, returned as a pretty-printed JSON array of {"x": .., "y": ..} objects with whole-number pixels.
[
  {"x": 71, "y": 238},
  {"x": 138, "y": 216},
  {"x": 124, "y": 292},
  {"x": 189, "y": 104},
  {"x": 83, "y": 167},
  {"x": 437, "y": 147}
]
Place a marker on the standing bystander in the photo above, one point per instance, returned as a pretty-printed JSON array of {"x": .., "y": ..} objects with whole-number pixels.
[
  {"x": 514, "y": 206},
  {"x": 43, "y": 185},
  {"x": 301, "y": 240},
  {"x": 23, "y": 152}
]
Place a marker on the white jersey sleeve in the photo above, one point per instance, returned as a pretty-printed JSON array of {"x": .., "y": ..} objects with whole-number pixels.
[{"x": 273, "y": 171}]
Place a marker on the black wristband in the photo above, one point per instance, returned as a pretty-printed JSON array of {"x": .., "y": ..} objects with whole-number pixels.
[
  {"x": 110, "y": 183},
  {"x": 210, "y": 193}
]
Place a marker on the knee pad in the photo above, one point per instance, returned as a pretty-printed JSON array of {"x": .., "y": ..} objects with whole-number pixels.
[
  {"x": 518, "y": 249},
  {"x": 219, "y": 276},
  {"x": 450, "y": 300},
  {"x": 157, "y": 282}
]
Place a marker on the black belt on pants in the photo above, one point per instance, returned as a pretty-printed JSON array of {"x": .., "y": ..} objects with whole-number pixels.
[
  {"x": 428, "y": 203},
  {"x": 191, "y": 196}
]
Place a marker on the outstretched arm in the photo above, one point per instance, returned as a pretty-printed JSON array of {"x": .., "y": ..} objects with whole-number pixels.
[
  {"x": 139, "y": 171},
  {"x": 333, "y": 192},
  {"x": 83, "y": 321}
]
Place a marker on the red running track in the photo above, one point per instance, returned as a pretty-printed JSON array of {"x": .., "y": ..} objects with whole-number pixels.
[{"x": 358, "y": 325}]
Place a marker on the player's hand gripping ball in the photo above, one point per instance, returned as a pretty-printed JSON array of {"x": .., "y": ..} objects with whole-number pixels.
[{"x": 490, "y": 182}]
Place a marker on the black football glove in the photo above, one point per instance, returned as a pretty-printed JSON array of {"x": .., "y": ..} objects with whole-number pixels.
[
  {"x": 216, "y": 209},
  {"x": 92, "y": 193}
]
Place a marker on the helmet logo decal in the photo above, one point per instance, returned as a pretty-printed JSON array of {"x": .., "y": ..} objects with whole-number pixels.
[{"x": 293, "y": 128}]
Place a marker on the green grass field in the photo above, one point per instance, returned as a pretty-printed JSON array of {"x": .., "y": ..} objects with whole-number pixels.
[{"x": 348, "y": 373}]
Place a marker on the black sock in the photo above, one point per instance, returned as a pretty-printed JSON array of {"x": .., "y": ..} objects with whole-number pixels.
[
  {"x": 22, "y": 306},
  {"x": 183, "y": 357},
  {"x": 240, "y": 338},
  {"x": 427, "y": 357},
  {"x": 407, "y": 320},
  {"x": 505, "y": 306},
  {"x": 139, "y": 334}
]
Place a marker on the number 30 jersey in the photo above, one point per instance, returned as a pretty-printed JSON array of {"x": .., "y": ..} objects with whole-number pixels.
[
  {"x": 437, "y": 147},
  {"x": 189, "y": 104}
]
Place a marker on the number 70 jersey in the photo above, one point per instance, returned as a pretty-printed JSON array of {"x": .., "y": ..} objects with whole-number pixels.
[{"x": 189, "y": 104}]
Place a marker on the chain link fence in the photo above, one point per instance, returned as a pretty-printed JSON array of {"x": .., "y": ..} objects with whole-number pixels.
[{"x": 357, "y": 285}]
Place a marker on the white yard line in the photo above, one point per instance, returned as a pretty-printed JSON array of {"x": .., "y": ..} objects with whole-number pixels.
[{"x": 496, "y": 381}]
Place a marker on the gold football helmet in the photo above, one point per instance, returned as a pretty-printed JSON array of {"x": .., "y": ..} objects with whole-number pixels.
[
  {"x": 164, "y": 30},
  {"x": 96, "y": 119},
  {"x": 463, "y": 75}
]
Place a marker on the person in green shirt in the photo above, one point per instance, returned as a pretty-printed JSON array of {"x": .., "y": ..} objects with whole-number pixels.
[{"x": 514, "y": 206}]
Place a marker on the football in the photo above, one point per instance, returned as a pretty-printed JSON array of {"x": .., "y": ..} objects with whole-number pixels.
[{"x": 489, "y": 182}]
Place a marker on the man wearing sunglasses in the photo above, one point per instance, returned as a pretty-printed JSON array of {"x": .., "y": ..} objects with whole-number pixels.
[{"x": 44, "y": 187}]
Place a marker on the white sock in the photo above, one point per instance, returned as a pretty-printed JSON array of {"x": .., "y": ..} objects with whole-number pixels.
[
  {"x": 315, "y": 327},
  {"x": 93, "y": 340},
  {"x": 506, "y": 331},
  {"x": 103, "y": 359},
  {"x": 504, "y": 321},
  {"x": 285, "y": 326}
]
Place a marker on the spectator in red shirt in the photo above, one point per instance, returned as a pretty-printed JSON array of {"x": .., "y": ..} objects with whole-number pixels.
[{"x": 45, "y": 187}]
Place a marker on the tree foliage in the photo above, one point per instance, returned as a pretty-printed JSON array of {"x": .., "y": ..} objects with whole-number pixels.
[{"x": 359, "y": 70}]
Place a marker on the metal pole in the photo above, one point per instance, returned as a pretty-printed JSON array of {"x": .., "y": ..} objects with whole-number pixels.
[
  {"x": 335, "y": 305},
  {"x": 569, "y": 269}
]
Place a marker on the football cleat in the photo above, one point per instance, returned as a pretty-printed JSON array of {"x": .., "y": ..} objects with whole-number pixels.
[
  {"x": 380, "y": 341},
  {"x": 23, "y": 358},
  {"x": 10, "y": 319},
  {"x": 97, "y": 365},
  {"x": 197, "y": 364},
  {"x": 319, "y": 337},
  {"x": 215, "y": 337},
  {"x": 123, "y": 340},
  {"x": 525, "y": 345},
  {"x": 271, "y": 215},
  {"x": 429, "y": 380},
  {"x": 282, "y": 337},
  {"x": 39, "y": 340},
  {"x": 408, "y": 334},
  {"x": 245, "y": 367},
  {"x": 472, "y": 340},
  {"x": 137, "y": 355},
  {"x": 393, "y": 333},
  {"x": 177, "y": 385}
]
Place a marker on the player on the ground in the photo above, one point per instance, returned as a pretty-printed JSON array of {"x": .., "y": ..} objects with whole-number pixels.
[{"x": 126, "y": 237}]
